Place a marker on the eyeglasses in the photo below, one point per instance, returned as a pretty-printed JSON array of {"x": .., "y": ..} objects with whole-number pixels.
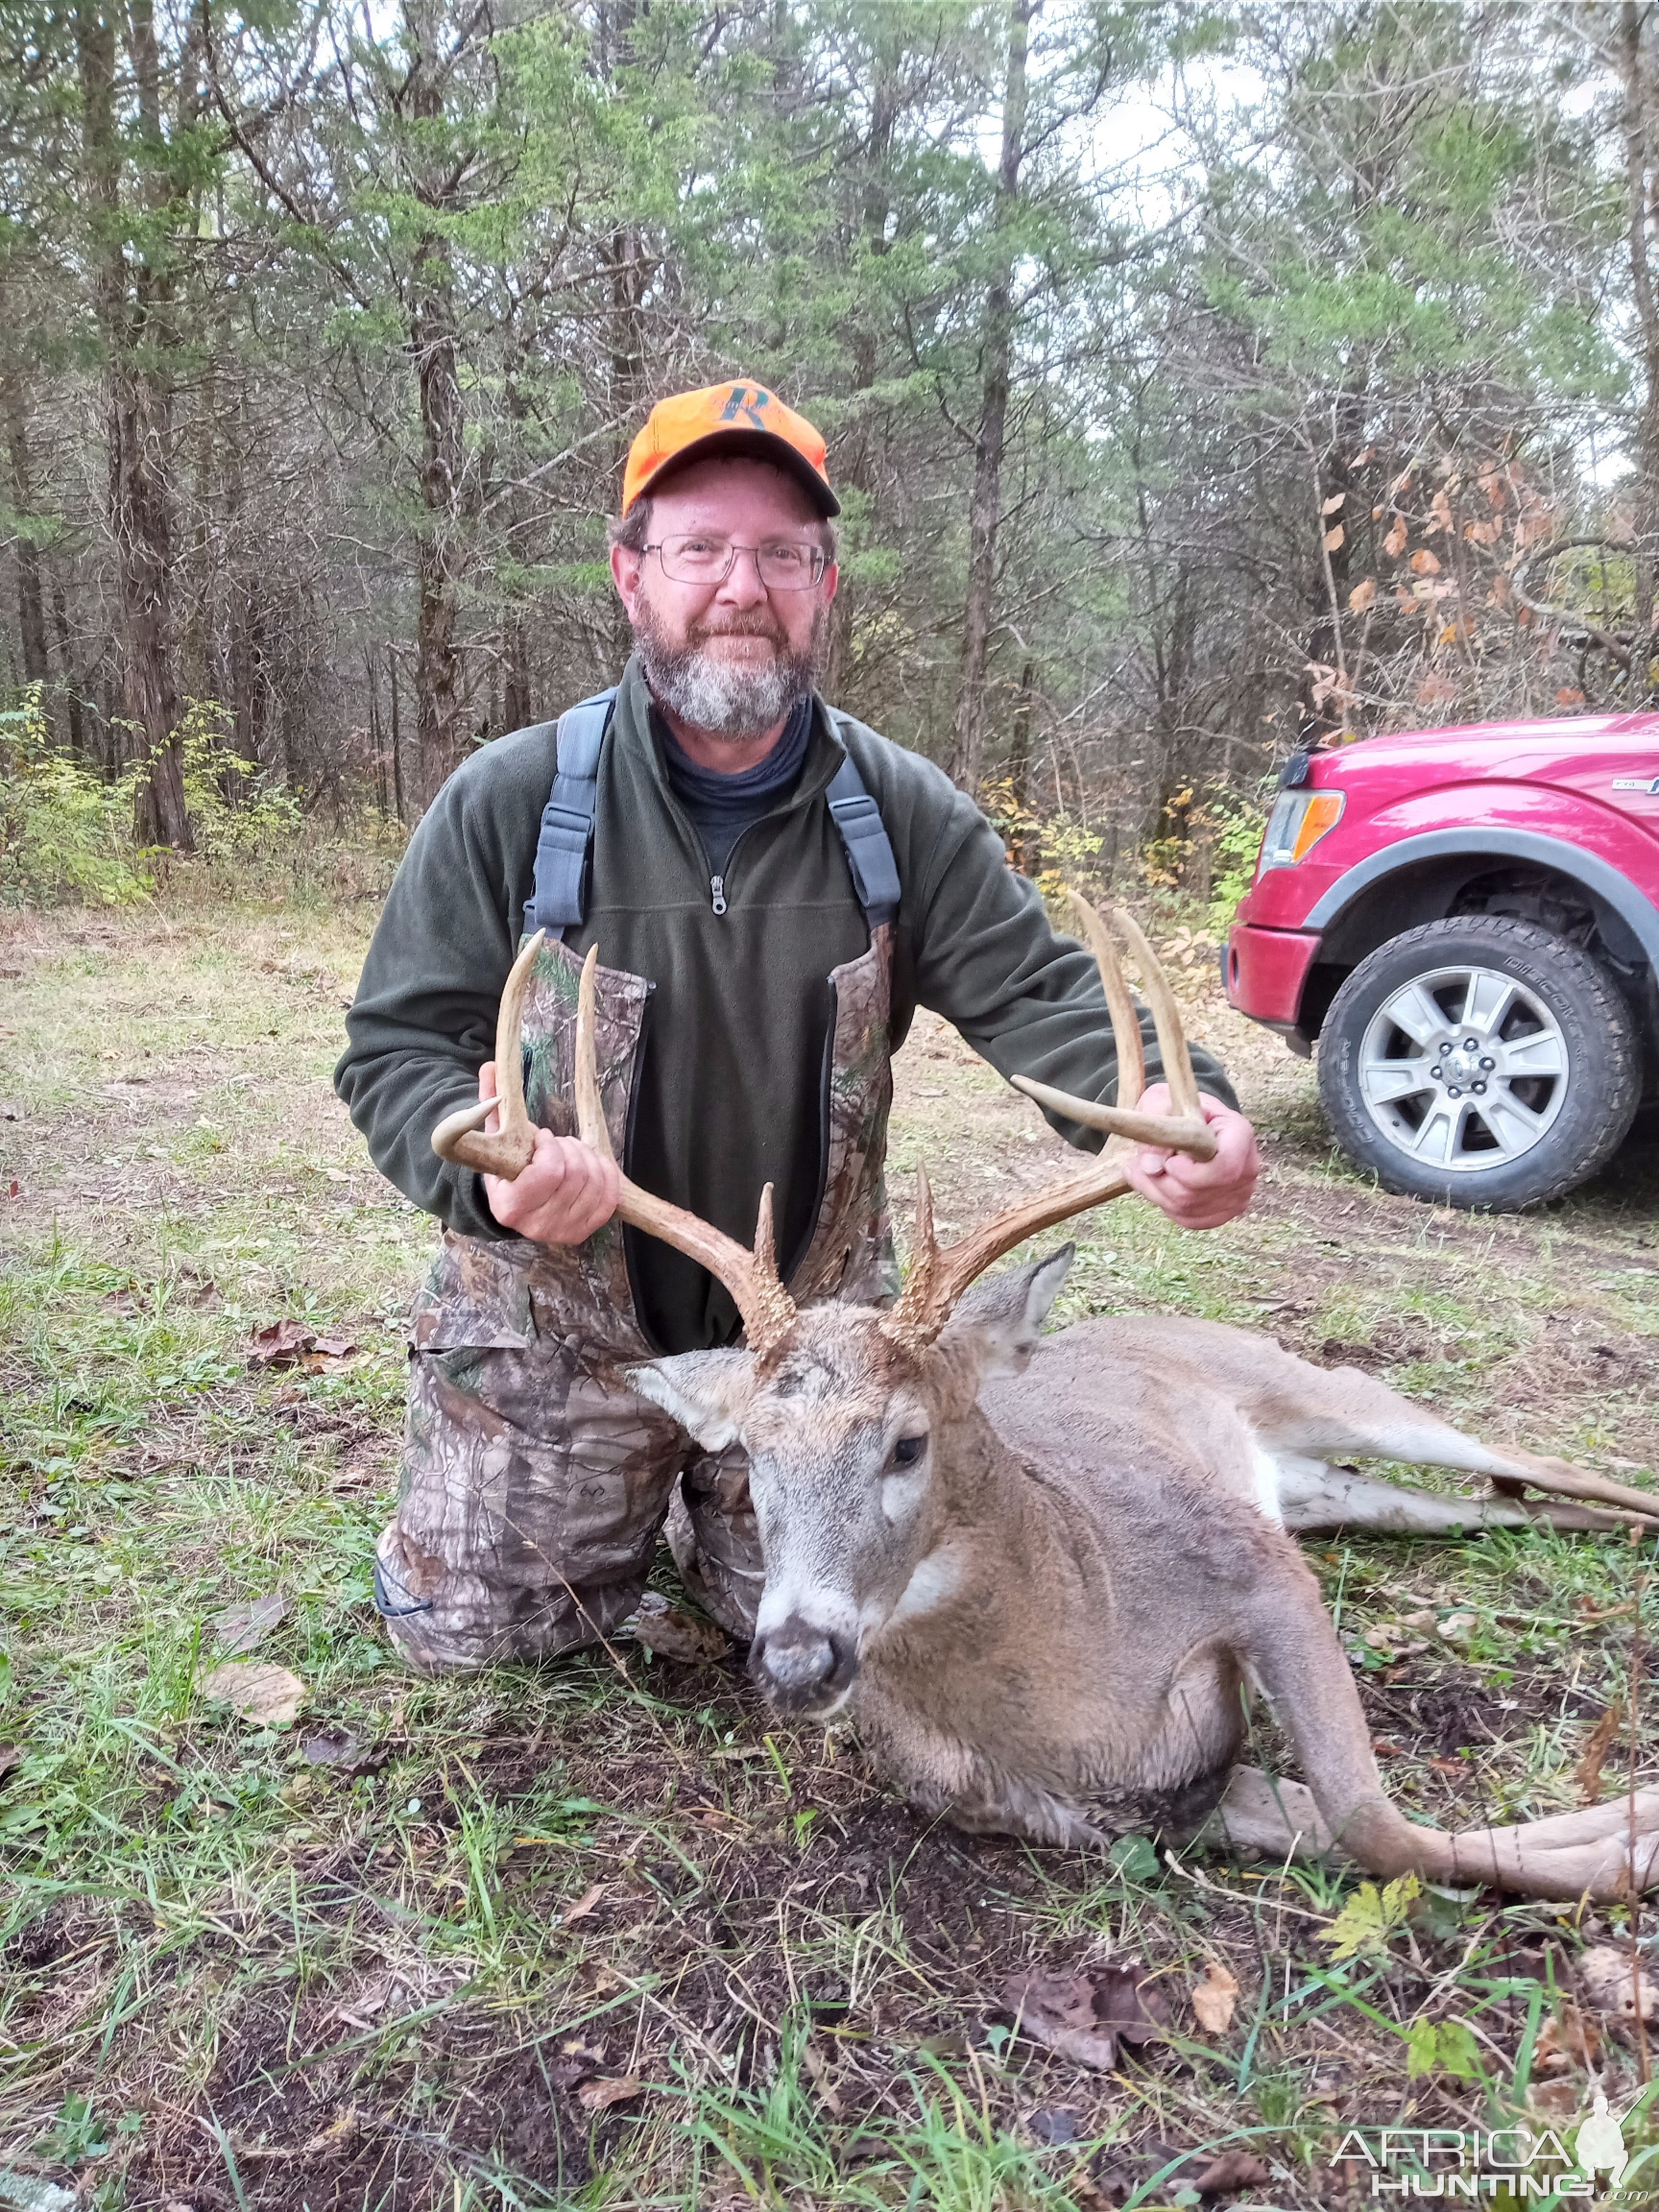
[{"x": 782, "y": 566}]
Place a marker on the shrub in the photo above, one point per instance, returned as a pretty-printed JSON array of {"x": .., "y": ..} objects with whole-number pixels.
[
  {"x": 64, "y": 833},
  {"x": 260, "y": 823}
]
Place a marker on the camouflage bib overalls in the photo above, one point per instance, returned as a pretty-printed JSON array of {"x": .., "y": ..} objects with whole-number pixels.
[{"x": 535, "y": 1482}]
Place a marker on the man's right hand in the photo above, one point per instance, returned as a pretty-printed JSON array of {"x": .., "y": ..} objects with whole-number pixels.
[{"x": 566, "y": 1191}]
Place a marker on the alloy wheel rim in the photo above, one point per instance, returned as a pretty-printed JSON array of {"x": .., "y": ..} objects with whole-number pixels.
[{"x": 1463, "y": 1069}]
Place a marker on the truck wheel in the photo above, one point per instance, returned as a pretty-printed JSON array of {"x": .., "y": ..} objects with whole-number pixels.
[{"x": 1482, "y": 1062}]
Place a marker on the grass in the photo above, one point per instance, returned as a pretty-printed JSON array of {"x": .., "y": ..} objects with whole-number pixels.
[{"x": 361, "y": 1961}]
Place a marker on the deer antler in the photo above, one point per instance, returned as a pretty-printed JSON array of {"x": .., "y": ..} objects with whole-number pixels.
[
  {"x": 456, "y": 1137},
  {"x": 768, "y": 1311},
  {"x": 938, "y": 1277},
  {"x": 767, "y": 1308}
]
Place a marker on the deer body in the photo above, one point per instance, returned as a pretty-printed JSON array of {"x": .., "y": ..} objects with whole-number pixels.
[{"x": 1044, "y": 1615}]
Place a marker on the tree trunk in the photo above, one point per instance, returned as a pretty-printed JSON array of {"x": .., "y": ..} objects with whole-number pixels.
[
  {"x": 519, "y": 707},
  {"x": 31, "y": 599},
  {"x": 137, "y": 429},
  {"x": 440, "y": 554},
  {"x": 854, "y": 459},
  {"x": 77, "y": 732},
  {"x": 1024, "y": 844},
  {"x": 1636, "y": 70},
  {"x": 398, "y": 787},
  {"x": 985, "y": 508}
]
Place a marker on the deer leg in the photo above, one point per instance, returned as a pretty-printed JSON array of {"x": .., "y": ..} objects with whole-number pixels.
[
  {"x": 1261, "y": 1813},
  {"x": 1341, "y": 1414},
  {"x": 1315, "y": 1498},
  {"x": 1281, "y": 1820}
]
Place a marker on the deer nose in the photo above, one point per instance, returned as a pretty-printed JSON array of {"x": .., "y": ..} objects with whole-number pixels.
[{"x": 800, "y": 1666}]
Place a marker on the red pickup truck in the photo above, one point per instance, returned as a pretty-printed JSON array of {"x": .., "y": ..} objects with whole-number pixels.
[{"x": 1467, "y": 921}]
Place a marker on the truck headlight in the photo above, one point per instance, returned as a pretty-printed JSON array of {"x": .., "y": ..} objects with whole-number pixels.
[{"x": 1298, "y": 821}]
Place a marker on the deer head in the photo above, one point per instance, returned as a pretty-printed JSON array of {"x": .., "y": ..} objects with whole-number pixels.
[{"x": 847, "y": 1413}]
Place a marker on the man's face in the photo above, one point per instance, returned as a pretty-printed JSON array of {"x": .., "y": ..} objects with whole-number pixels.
[{"x": 729, "y": 658}]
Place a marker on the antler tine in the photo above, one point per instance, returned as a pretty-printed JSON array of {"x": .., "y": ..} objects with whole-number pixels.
[
  {"x": 938, "y": 1279},
  {"x": 1126, "y": 1022},
  {"x": 591, "y": 1125},
  {"x": 458, "y": 1137},
  {"x": 1186, "y": 1129},
  {"x": 768, "y": 1311},
  {"x": 1166, "y": 1020}
]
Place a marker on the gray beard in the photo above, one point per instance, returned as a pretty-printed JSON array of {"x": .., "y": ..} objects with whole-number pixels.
[{"x": 720, "y": 697}]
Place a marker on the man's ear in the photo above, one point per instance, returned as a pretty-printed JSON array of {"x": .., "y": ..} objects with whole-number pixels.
[
  {"x": 707, "y": 1392},
  {"x": 999, "y": 1319}
]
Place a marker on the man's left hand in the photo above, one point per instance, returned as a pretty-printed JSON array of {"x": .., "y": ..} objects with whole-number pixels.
[{"x": 1198, "y": 1194}]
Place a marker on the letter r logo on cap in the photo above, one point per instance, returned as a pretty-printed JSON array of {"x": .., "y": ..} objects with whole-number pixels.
[
  {"x": 746, "y": 400},
  {"x": 741, "y": 418}
]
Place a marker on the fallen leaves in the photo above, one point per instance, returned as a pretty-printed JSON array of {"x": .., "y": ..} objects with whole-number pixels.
[
  {"x": 371, "y": 1997},
  {"x": 584, "y": 1903},
  {"x": 579, "y": 2068},
  {"x": 340, "y": 1748},
  {"x": 1230, "y": 2170},
  {"x": 1370, "y": 1916},
  {"x": 672, "y": 1634},
  {"x": 268, "y": 1696},
  {"x": 598, "y": 2096},
  {"x": 1214, "y": 1997},
  {"x": 1362, "y": 595},
  {"x": 1395, "y": 543},
  {"x": 239, "y": 1627},
  {"x": 1569, "y": 2039},
  {"x": 1086, "y": 2017},
  {"x": 289, "y": 1343},
  {"x": 1333, "y": 538},
  {"x": 1445, "y": 2046},
  {"x": 1609, "y": 1979},
  {"x": 1424, "y": 563}
]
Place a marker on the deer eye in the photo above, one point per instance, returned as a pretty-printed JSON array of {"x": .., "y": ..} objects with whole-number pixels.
[{"x": 907, "y": 1450}]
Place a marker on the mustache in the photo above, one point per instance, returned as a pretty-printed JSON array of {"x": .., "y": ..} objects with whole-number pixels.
[{"x": 753, "y": 623}]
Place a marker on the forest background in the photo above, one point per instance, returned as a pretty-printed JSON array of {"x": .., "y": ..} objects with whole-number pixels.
[{"x": 1198, "y": 383}]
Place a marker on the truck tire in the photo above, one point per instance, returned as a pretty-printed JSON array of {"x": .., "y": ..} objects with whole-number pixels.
[{"x": 1482, "y": 1062}]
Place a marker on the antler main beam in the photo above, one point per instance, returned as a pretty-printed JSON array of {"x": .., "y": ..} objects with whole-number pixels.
[
  {"x": 768, "y": 1311},
  {"x": 459, "y": 1137},
  {"x": 767, "y": 1308},
  {"x": 1186, "y": 1129},
  {"x": 938, "y": 1277}
]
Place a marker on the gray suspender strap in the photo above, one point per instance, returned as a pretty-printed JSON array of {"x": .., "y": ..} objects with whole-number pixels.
[
  {"x": 559, "y": 900},
  {"x": 869, "y": 849}
]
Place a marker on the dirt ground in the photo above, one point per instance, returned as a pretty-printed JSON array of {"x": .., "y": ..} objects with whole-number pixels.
[{"x": 607, "y": 1934}]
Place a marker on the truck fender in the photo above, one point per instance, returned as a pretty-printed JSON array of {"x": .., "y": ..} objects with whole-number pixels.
[{"x": 1593, "y": 863}]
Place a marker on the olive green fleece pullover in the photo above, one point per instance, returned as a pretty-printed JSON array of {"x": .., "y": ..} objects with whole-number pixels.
[{"x": 730, "y": 1074}]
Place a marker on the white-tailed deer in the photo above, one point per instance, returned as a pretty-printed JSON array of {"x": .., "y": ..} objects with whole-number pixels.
[{"x": 1045, "y": 1602}]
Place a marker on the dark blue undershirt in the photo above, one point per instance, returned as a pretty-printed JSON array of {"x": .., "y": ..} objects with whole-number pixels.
[{"x": 722, "y": 807}]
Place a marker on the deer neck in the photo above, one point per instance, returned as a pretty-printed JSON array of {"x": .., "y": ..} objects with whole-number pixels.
[{"x": 1009, "y": 1557}]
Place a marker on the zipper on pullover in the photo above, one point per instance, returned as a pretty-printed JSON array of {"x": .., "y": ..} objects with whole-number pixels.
[{"x": 717, "y": 893}]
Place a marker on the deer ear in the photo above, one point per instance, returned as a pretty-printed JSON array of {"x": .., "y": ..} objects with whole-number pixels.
[
  {"x": 707, "y": 1393},
  {"x": 998, "y": 1321}
]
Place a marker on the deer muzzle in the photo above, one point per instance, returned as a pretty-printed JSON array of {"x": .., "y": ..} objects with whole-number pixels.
[{"x": 803, "y": 1668}]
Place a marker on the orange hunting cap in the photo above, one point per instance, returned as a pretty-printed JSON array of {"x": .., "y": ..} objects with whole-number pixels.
[{"x": 728, "y": 418}]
